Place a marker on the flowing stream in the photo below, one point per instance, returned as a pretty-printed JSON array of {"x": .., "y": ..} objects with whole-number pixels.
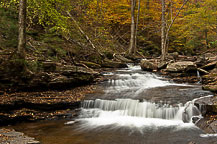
[{"x": 132, "y": 107}]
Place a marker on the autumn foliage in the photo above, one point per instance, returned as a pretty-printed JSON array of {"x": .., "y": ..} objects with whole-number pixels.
[{"x": 108, "y": 21}]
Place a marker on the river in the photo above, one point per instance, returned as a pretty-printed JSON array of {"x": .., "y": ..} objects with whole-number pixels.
[{"x": 132, "y": 107}]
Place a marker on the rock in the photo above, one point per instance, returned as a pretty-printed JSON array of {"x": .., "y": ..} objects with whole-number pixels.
[
  {"x": 113, "y": 64},
  {"x": 122, "y": 59},
  {"x": 11, "y": 136},
  {"x": 201, "y": 61},
  {"x": 202, "y": 71},
  {"x": 182, "y": 66},
  {"x": 214, "y": 70},
  {"x": 209, "y": 82},
  {"x": 207, "y": 105},
  {"x": 210, "y": 66},
  {"x": 147, "y": 65},
  {"x": 210, "y": 57},
  {"x": 211, "y": 87},
  {"x": 207, "y": 124},
  {"x": 162, "y": 65},
  {"x": 173, "y": 55}
]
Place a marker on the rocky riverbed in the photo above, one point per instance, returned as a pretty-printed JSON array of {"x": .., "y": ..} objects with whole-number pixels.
[{"x": 56, "y": 104}]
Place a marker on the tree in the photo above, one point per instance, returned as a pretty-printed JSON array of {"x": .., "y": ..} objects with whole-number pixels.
[
  {"x": 136, "y": 30},
  {"x": 22, "y": 29},
  {"x": 132, "y": 29},
  {"x": 163, "y": 30}
]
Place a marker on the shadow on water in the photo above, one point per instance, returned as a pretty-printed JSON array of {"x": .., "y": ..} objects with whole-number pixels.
[{"x": 132, "y": 107}]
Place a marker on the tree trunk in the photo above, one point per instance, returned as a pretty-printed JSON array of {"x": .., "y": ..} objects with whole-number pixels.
[
  {"x": 22, "y": 29},
  {"x": 132, "y": 35},
  {"x": 169, "y": 27},
  {"x": 163, "y": 30},
  {"x": 136, "y": 30}
]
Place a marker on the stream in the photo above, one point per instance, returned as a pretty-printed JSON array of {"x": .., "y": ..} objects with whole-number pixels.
[{"x": 131, "y": 107}]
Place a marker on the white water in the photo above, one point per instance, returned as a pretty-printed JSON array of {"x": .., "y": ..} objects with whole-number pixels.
[
  {"x": 133, "y": 83},
  {"x": 133, "y": 113},
  {"x": 134, "y": 108}
]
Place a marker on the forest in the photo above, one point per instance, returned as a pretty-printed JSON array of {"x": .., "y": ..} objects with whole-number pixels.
[{"x": 55, "y": 53}]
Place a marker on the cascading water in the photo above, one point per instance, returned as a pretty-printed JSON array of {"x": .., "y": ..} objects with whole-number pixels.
[
  {"x": 132, "y": 107},
  {"x": 121, "y": 106},
  {"x": 135, "y": 108}
]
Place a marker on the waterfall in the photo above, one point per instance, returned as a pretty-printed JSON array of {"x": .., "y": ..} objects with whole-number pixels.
[
  {"x": 135, "y": 98},
  {"x": 199, "y": 77},
  {"x": 145, "y": 109}
]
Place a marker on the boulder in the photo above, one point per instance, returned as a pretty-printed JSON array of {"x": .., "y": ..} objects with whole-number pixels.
[
  {"x": 147, "y": 65},
  {"x": 182, "y": 66},
  {"x": 207, "y": 105}
]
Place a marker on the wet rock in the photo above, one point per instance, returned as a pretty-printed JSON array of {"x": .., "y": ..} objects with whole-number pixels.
[
  {"x": 207, "y": 105},
  {"x": 208, "y": 124},
  {"x": 11, "y": 136},
  {"x": 182, "y": 66},
  {"x": 148, "y": 65}
]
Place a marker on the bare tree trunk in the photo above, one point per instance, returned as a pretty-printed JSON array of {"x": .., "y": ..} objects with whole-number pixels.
[
  {"x": 22, "y": 29},
  {"x": 163, "y": 30},
  {"x": 83, "y": 33},
  {"x": 132, "y": 35},
  {"x": 169, "y": 27},
  {"x": 136, "y": 30}
]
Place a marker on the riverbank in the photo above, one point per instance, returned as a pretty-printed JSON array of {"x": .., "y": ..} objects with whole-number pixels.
[
  {"x": 32, "y": 106},
  {"x": 198, "y": 69},
  {"x": 10, "y": 136},
  {"x": 54, "y": 105}
]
